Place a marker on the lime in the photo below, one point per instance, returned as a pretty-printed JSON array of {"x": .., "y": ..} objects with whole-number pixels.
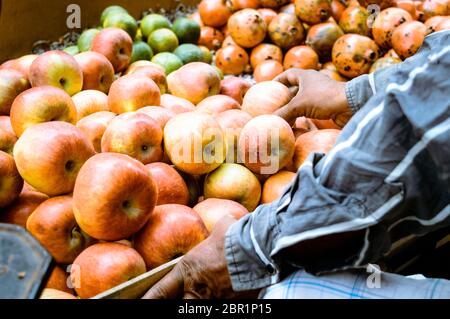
[
  {"x": 207, "y": 55},
  {"x": 154, "y": 22},
  {"x": 122, "y": 21},
  {"x": 187, "y": 30},
  {"x": 163, "y": 40},
  {"x": 141, "y": 51},
  {"x": 72, "y": 50},
  {"x": 189, "y": 53},
  {"x": 85, "y": 40},
  {"x": 111, "y": 9},
  {"x": 169, "y": 61}
]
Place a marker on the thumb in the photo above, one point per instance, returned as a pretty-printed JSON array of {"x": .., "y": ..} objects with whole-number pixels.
[
  {"x": 170, "y": 287},
  {"x": 290, "y": 111}
]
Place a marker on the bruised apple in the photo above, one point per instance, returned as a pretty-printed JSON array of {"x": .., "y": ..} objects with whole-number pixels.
[
  {"x": 104, "y": 266},
  {"x": 53, "y": 225},
  {"x": 171, "y": 187},
  {"x": 114, "y": 196},
  {"x": 171, "y": 232},
  {"x": 213, "y": 209},
  {"x": 136, "y": 135},
  {"x": 195, "y": 142},
  {"x": 235, "y": 88},
  {"x": 194, "y": 82},
  {"x": 50, "y": 155}
]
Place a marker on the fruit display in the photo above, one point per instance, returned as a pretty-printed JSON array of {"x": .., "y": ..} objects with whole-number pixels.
[{"x": 124, "y": 154}]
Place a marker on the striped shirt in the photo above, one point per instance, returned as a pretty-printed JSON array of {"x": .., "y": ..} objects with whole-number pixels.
[{"x": 388, "y": 176}]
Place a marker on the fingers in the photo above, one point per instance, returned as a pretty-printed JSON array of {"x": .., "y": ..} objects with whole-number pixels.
[
  {"x": 170, "y": 287},
  {"x": 191, "y": 295},
  {"x": 289, "y": 112},
  {"x": 289, "y": 78}
]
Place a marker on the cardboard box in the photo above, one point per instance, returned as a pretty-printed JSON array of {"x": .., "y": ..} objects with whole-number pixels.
[{"x": 23, "y": 22}]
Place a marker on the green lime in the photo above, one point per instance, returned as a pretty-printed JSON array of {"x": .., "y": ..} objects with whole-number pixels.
[
  {"x": 207, "y": 55},
  {"x": 187, "y": 30},
  {"x": 85, "y": 40},
  {"x": 122, "y": 21},
  {"x": 109, "y": 10},
  {"x": 219, "y": 72},
  {"x": 72, "y": 50},
  {"x": 141, "y": 51},
  {"x": 154, "y": 22},
  {"x": 189, "y": 53},
  {"x": 169, "y": 61},
  {"x": 163, "y": 40}
]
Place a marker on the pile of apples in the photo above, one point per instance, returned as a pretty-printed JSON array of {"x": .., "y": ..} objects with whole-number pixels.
[{"x": 117, "y": 168}]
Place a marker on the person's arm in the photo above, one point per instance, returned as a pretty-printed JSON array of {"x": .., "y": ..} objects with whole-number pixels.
[{"x": 387, "y": 176}]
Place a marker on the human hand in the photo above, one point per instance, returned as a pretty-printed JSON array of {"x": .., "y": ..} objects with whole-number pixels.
[
  {"x": 318, "y": 97},
  {"x": 202, "y": 273}
]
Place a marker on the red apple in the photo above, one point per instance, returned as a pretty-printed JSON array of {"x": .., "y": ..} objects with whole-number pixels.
[
  {"x": 171, "y": 187},
  {"x": 194, "y": 82},
  {"x": 114, "y": 196},
  {"x": 53, "y": 225},
  {"x": 116, "y": 45},
  {"x": 195, "y": 143},
  {"x": 234, "y": 182},
  {"x": 275, "y": 186},
  {"x": 235, "y": 88},
  {"x": 41, "y": 104},
  {"x": 265, "y": 98},
  {"x": 266, "y": 144},
  {"x": 158, "y": 113},
  {"x": 133, "y": 66},
  {"x": 89, "y": 102},
  {"x": 12, "y": 83},
  {"x": 18, "y": 212},
  {"x": 55, "y": 294},
  {"x": 217, "y": 104},
  {"x": 320, "y": 141},
  {"x": 136, "y": 135},
  {"x": 176, "y": 104},
  {"x": 132, "y": 92},
  {"x": 94, "y": 126},
  {"x": 50, "y": 155},
  {"x": 98, "y": 72},
  {"x": 21, "y": 64},
  {"x": 104, "y": 266},
  {"x": 171, "y": 232},
  {"x": 7, "y": 141},
  {"x": 232, "y": 122},
  {"x": 11, "y": 182},
  {"x": 213, "y": 210},
  {"x": 58, "y": 69},
  {"x": 5, "y": 123},
  {"x": 155, "y": 73},
  {"x": 59, "y": 280}
]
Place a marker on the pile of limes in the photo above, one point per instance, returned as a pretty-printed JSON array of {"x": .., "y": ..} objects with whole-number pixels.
[{"x": 156, "y": 39}]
